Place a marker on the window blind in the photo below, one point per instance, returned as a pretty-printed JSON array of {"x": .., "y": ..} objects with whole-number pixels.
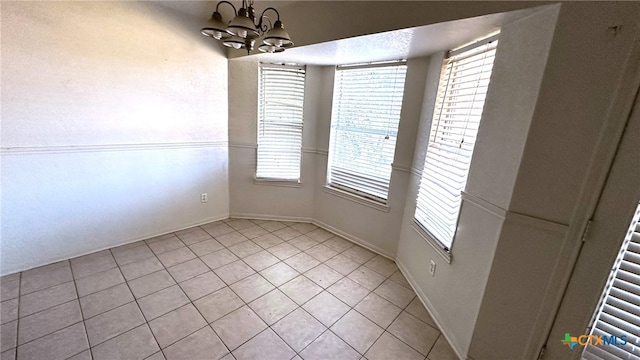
[
  {"x": 281, "y": 98},
  {"x": 459, "y": 103},
  {"x": 364, "y": 127},
  {"x": 619, "y": 311}
]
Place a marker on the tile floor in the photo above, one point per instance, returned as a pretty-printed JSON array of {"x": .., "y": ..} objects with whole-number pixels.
[{"x": 232, "y": 289}]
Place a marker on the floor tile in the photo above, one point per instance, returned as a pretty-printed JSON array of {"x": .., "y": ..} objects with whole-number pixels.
[
  {"x": 400, "y": 279},
  {"x": 8, "y": 354},
  {"x": 206, "y": 247},
  {"x": 342, "y": 264},
  {"x": 175, "y": 257},
  {"x": 48, "y": 321},
  {"x": 125, "y": 247},
  {"x": 366, "y": 277},
  {"x": 279, "y": 273},
  {"x": 160, "y": 237},
  {"x": 359, "y": 254},
  {"x": 9, "y": 287},
  {"x": 141, "y": 268},
  {"x": 217, "y": 228},
  {"x": 180, "y": 323},
  {"x": 323, "y": 275},
  {"x": 128, "y": 256},
  {"x": 298, "y": 329},
  {"x": 113, "y": 323},
  {"x": 320, "y": 235},
  {"x": 188, "y": 269},
  {"x": 348, "y": 291},
  {"x": 286, "y": 233},
  {"x": 44, "y": 299},
  {"x": 218, "y": 304},
  {"x": 84, "y": 355},
  {"x": 329, "y": 347},
  {"x": 338, "y": 244},
  {"x": 162, "y": 302},
  {"x": 194, "y": 236},
  {"x": 239, "y": 223},
  {"x": 100, "y": 281},
  {"x": 244, "y": 249},
  {"x": 229, "y": 357},
  {"x": 151, "y": 283},
  {"x": 234, "y": 272},
  {"x": 8, "y": 335},
  {"x": 136, "y": 344},
  {"x": 416, "y": 309},
  {"x": 378, "y": 310},
  {"x": 87, "y": 257},
  {"x": 105, "y": 300},
  {"x": 273, "y": 306},
  {"x": 265, "y": 346},
  {"x": 238, "y": 326},
  {"x": 45, "y": 277},
  {"x": 321, "y": 252},
  {"x": 163, "y": 246},
  {"x": 326, "y": 308},
  {"x": 156, "y": 356},
  {"x": 219, "y": 258},
  {"x": 272, "y": 226},
  {"x": 93, "y": 266},
  {"x": 261, "y": 260},
  {"x": 382, "y": 265},
  {"x": 253, "y": 231},
  {"x": 202, "y": 285},
  {"x": 267, "y": 241},
  {"x": 58, "y": 345},
  {"x": 283, "y": 251},
  {"x": 357, "y": 331},
  {"x": 442, "y": 350},
  {"x": 251, "y": 287},
  {"x": 389, "y": 347},
  {"x": 397, "y": 294},
  {"x": 231, "y": 239},
  {"x": 302, "y": 262},
  {"x": 203, "y": 344},
  {"x": 8, "y": 311},
  {"x": 303, "y": 227},
  {"x": 300, "y": 289},
  {"x": 414, "y": 332},
  {"x": 303, "y": 242}
]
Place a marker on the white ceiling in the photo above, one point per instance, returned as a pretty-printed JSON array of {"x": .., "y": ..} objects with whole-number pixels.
[{"x": 391, "y": 45}]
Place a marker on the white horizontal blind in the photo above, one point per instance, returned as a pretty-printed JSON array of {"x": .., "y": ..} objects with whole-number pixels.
[
  {"x": 281, "y": 98},
  {"x": 619, "y": 312},
  {"x": 364, "y": 128},
  {"x": 460, "y": 100}
]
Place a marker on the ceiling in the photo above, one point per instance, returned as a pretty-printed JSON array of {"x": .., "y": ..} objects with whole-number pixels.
[{"x": 391, "y": 45}]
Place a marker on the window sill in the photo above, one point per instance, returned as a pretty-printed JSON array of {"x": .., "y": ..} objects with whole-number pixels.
[
  {"x": 446, "y": 255},
  {"x": 356, "y": 198},
  {"x": 276, "y": 182}
]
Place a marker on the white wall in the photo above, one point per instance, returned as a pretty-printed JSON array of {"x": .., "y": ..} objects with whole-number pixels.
[{"x": 114, "y": 121}]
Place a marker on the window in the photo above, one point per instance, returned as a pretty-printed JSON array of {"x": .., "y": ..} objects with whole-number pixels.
[
  {"x": 619, "y": 311},
  {"x": 281, "y": 98},
  {"x": 364, "y": 127},
  {"x": 459, "y": 103}
]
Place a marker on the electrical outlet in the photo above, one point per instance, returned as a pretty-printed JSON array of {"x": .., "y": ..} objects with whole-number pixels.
[
  {"x": 432, "y": 268},
  {"x": 203, "y": 198}
]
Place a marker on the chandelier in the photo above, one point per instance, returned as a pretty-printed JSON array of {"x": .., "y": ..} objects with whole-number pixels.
[{"x": 242, "y": 32}]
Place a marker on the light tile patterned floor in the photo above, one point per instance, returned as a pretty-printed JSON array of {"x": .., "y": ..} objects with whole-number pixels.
[{"x": 232, "y": 289}]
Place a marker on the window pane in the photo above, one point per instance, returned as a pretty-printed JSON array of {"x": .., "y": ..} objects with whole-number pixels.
[
  {"x": 461, "y": 93},
  {"x": 281, "y": 98},
  {"x": 364, "y": 127}
]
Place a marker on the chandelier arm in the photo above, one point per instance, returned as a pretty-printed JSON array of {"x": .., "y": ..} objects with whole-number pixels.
[
  {"x": 235, "y": 11},
  {"x": 264, "y": 27}
]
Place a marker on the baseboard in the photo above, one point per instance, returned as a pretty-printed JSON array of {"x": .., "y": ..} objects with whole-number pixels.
[
  {"x": 128, "y": 241},
  {"x": 354, "y": 239},
  {"x": 430, "y": 309}
]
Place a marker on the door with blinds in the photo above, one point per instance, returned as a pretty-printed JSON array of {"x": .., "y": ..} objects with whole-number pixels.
[{"x": 617, "y": 320}]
